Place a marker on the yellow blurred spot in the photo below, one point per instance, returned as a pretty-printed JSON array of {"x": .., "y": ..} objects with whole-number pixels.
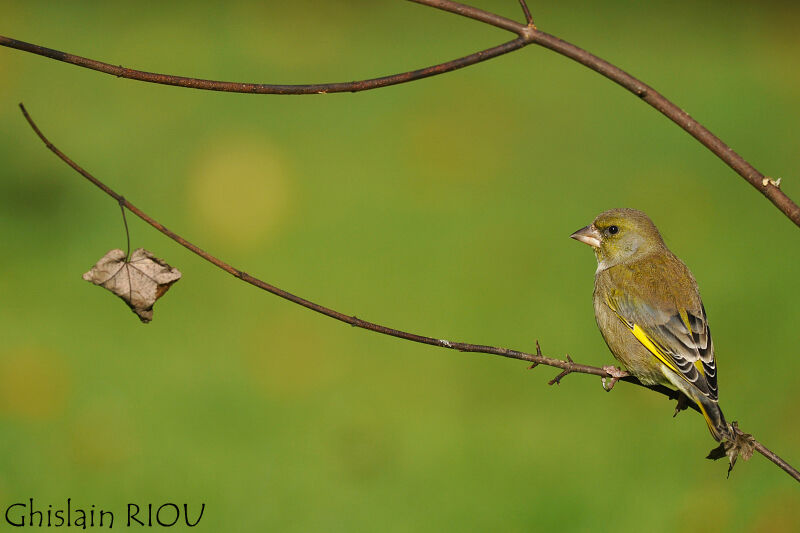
[
  {"x": 238, "y": 189},
  {"x": 286, "y": 358},
  {"x": 34, "y": 383}
]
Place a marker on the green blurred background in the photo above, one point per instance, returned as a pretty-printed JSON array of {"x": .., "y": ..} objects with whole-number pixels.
[{"x": 441, "y": 207}]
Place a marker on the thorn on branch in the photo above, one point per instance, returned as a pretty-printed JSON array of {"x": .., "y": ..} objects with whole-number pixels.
[
  {"x": 557, "y": 380},
  {"x": 538, "y": 354}
]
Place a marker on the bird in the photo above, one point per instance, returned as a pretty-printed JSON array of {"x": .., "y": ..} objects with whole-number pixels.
[{"x": 649, "y": 312}]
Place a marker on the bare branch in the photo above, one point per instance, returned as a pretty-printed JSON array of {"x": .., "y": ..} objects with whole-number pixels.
[
  {"x": 526, "y": 34},
  {"x": 476, "y": 14},
  {"x": 767, "y": 187},
  {"x": 264, "y": 88},
  {"x": 564, "y": 373},
  {"x": 772, "y": 456},
  {"x": 567, "y": 367}
]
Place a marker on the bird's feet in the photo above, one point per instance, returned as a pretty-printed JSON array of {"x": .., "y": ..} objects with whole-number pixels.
[
  {"x": 683, "y": 403},
  {"x": 615, "y": 373}
]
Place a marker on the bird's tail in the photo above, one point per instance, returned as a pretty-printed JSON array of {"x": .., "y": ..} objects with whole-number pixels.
[
  {"x": 733, "y": 442},
  {"x": 715, "y": 419}
]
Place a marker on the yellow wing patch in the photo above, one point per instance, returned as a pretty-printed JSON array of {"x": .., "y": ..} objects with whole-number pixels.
[
  {"x": 699, "y": 366},
  {"x": 648, "y": 343},
  {"x": 657, "y": 350},
  {"x": 709, "y": 422},
  {"x": 685, "y": 317}
]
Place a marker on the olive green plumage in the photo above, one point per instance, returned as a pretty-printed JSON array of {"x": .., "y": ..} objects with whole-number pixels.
[{"x": 649, "y": 311}]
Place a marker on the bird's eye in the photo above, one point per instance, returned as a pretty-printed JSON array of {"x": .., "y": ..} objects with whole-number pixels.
[{"x": 613, "y": 230}]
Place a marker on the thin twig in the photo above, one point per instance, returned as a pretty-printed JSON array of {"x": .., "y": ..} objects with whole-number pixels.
[
  {"x": 772, "y": 456},
  {"x": 127, "y": 232},
  {"x": 526, "y": 34},
  {"x": 526, "y": 12},
  {"x": 264, "y": 88},
  {"x": 567, "y": 367},
  {"x": 538, "y": 354}
]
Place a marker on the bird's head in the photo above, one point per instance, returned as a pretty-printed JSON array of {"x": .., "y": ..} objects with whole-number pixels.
[{"x": 620, "y": 235}]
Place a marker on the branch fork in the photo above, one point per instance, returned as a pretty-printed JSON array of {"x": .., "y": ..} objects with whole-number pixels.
[
  {"x": 568, "y": 366},
  {"x": 568, "y": 369}
]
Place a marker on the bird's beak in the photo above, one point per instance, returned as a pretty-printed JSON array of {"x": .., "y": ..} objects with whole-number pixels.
[{"x": 588, "y": 235}]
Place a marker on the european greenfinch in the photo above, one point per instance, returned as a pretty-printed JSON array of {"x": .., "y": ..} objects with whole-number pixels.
[{"x": 649, "y": 311}]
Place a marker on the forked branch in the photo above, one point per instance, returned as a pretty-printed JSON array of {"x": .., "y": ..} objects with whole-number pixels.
[
  {"x": 567, "y": 367},
  {"x": 526, "y": 34}
]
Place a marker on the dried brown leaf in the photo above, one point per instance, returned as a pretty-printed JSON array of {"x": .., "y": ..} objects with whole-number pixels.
[
  {"x": 741, "y": 445},
  {"x": 139, "y": 282}
]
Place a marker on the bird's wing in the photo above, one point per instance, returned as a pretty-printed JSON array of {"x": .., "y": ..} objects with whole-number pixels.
[{"x": 678, "y": 338}]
